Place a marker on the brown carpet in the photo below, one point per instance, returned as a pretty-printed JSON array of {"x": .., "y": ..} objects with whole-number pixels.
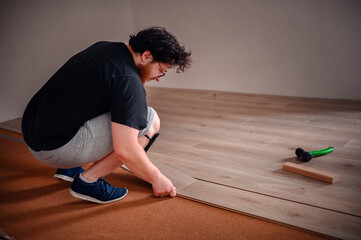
[{"x": 33, "y": 205}]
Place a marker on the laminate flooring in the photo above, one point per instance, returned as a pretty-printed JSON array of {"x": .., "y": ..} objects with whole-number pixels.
[
  {"x": 235, "y": 145},
  {"x": 227, "y": 150}
]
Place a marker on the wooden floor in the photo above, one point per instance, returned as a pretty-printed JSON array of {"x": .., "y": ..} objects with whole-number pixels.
[
  {"x": 227, "y": 150},
  {"x": 235, "y": 146}
]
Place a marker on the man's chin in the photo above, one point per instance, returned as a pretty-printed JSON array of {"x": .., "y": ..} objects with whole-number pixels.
[{"x": 145, "y": 80}]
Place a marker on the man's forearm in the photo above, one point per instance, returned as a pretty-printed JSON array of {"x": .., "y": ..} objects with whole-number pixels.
[{"x": 138, "y": 162}]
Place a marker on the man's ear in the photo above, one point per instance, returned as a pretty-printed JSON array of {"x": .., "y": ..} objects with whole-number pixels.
[{"x": 147, "y": 57}]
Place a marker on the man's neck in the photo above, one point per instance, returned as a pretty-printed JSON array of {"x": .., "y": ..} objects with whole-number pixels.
[{"x": 136, "y": 57}]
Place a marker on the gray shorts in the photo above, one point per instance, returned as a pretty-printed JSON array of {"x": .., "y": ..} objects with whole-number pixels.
[{"x": 92, "y": 142}]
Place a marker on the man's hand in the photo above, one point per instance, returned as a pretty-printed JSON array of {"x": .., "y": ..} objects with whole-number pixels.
[
  {"x": 163, "y": 187},
  {"x": 131, "y": 153}
]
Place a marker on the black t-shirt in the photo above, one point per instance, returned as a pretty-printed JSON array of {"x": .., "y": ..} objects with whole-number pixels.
[{"x": 100, "y": 79}]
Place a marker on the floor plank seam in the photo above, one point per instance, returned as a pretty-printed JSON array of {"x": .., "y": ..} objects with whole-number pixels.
[
  {"x": 349, "y": 142},
  {"x": 309, "y": 120},
  {"x": 266, "y": 144},
  {"x": 196, "y": 144},
  {"x": 267, "y": 195},
  {"x": 255, "y": 216}
]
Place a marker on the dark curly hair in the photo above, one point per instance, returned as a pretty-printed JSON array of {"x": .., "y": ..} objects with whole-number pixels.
[{"x": 163, "y": 45}]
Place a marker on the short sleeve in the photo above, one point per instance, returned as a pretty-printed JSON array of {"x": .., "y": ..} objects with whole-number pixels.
[{"x": 128, "y": 102}]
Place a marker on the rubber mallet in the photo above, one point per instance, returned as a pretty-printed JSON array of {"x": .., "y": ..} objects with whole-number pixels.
[{"x": 307, "y": 156}]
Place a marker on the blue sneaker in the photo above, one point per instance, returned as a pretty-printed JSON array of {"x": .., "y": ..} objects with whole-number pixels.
[
  {"x": 98, "y": 192},
  {"x": 68, "y": 174}
]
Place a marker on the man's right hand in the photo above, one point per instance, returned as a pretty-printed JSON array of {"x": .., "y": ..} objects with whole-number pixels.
[
  {"x": 163, "y": 187},
  {"x": 132, "y": 154}
]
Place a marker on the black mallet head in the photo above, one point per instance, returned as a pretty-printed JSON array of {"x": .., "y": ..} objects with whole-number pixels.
[{"x": 303, "y": 155}]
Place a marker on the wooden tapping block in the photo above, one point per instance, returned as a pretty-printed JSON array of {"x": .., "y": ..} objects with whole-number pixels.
[{"x": 311, "y": 172}]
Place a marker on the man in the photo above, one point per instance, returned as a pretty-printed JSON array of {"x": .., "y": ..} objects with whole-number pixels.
[{"x": 94, "y": 109}]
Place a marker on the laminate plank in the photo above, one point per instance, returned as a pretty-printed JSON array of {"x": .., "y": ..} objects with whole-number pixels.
[
  {"x": 214, "y": 105},
  {"x": 336, "y": 122},
  {"x": 230, "y": 130},
  {"x": 264, "y": 149},
  {"x": 289, "y": 105},
  {"x": 279, "y": 184},
  {"x": 203, "y": 133},
  {"x": 181, "y": 137},
  {"x": 354, "y": 144},
  {"x": 232, "y": 113},
  {"x": 310, "y": 218},
  {"x": 345, "y": 161},
  {"x": 342, "y": 157},
  {"x": 179, "y": 179},
  {"x": 292, "y": 102}
]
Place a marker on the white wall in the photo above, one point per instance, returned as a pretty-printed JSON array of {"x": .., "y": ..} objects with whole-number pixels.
[
  {"x": 308, "y": 48},
  {"x": 37, "y": 37}
]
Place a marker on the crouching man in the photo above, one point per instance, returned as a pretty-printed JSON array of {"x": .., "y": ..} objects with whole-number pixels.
[{"x": 94, "y": 110}]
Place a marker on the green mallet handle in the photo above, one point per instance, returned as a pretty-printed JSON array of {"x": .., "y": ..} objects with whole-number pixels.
[
  {"x": 322, "y": 152},
  {"x": 307, "y": 156}
]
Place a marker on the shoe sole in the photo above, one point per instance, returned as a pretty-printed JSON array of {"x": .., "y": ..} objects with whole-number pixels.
[
  {"x": 61, "y": 177},
  {"x": 87, "y": 198}
]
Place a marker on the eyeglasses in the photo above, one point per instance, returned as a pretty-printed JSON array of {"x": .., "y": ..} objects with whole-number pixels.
[{"x": 161, "y": 70}]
